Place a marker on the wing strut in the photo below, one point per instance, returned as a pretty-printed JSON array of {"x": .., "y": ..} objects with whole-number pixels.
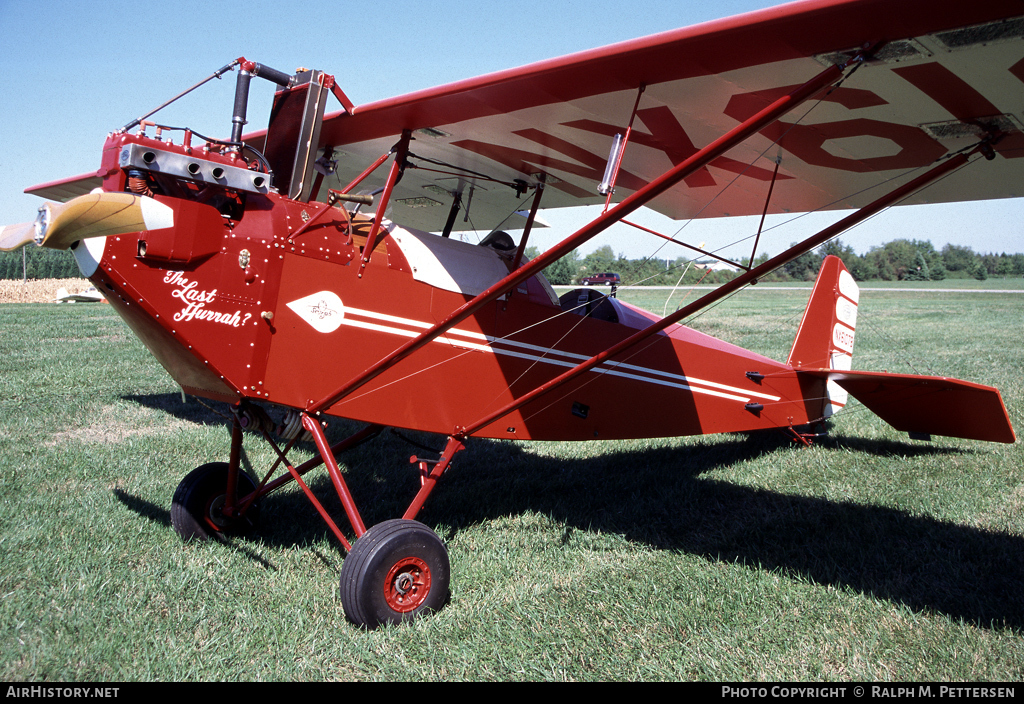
[
  {"x": 638, "y": 199},
  {"x": 452, "y": 214},
  {"x": 369, "y": 170},
  {"x": 724, "y": 290},
  {"x": 397, "y": 168},
  {"x": 529, "y": 223}
]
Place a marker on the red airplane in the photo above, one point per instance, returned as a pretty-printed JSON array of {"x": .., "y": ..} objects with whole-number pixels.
[{"x": 248, "y": 268}]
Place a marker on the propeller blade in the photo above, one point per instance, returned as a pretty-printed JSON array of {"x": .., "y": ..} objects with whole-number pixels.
[
  {"x": 14, "y": 237},
  {"x": 99, "y": 215},
  {"x": 93, "y": 215}
]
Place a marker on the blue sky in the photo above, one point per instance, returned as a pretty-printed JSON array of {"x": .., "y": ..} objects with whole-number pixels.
[{"x": 70, "y": 72}]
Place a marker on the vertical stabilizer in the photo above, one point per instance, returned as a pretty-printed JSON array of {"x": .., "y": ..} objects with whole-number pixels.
[{"x": 825, "y": 337}]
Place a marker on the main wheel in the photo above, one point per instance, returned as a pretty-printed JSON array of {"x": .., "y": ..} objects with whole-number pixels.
[
  {"x": 395, "y": 571},
  {"x": 198, "y": 503}
]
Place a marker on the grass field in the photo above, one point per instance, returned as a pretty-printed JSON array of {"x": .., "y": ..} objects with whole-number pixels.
[{"x": 723, "y": 558}]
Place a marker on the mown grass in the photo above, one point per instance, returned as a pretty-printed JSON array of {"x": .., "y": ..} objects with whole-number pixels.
[{"x": 865, "y": 557}]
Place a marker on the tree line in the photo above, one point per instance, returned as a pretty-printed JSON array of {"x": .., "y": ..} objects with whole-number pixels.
[
  {"x": 899, "y": 260},
  {"x": 33, "y": 262}
]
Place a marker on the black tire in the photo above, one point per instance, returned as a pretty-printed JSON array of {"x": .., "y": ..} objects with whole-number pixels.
[
  {"x": 397, "y": 570},
  {"x": 195, "y": 507}
]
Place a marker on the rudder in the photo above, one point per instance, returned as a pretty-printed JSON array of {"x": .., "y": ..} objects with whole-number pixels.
[{"x": 825, "y": 337}]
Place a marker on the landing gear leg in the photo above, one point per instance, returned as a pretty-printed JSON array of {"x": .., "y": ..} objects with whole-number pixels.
[{"x": 207, "y": 503}]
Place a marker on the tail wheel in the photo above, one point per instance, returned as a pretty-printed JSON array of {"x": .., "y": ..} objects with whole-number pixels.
[
  {"x": 395, "y": 571},
  {"x": 198, "y": 504}
]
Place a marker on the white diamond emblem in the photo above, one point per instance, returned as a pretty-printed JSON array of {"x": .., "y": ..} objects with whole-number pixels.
[{"x": 322, "y": 310}]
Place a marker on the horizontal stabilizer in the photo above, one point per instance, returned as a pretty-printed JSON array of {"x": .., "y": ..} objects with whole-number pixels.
[{"x": 928, "y": 404}]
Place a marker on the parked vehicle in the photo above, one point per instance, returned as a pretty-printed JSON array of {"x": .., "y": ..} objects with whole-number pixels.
[{"x": 608, "y": 277}]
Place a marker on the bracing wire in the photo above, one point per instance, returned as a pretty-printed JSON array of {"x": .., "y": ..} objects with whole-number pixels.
[{"x": 703, "y": 311}]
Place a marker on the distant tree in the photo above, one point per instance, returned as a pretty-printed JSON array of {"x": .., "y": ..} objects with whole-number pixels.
[
  {"x": 958, "y": 259},
  {"x": 837, "y": 248},
  {"x": 919, "y": 272},
  {"x": 644, "y": 271},
  {"x": 863, "y": 270},
  {"x": 880, "y": 264},
  {"x": 902, "y": 256},
  {"x": 564, "y": 271},
  {"x": 39, "y": 263},
  {"x": 803, "y": 268},
  {"x": 601, "y": 259},
  {"x": 990, "y": 262}
]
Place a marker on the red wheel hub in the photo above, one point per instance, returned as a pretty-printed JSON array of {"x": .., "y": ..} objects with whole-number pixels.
[
  {"x": 407, "y": 584},
  {"x": 213, "y": 516}
]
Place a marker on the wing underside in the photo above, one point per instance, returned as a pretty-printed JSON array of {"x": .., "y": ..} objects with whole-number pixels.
[{"x": 942, "y": 75}]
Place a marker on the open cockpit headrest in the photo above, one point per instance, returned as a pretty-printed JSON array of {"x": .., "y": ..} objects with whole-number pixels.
[{"x": 499, "y": 240}]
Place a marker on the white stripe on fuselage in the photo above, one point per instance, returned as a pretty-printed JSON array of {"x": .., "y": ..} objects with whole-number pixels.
[{"x": 569, "y": 359}]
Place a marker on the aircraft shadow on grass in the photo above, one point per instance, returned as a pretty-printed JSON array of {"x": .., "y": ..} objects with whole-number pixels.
[
  {"x": 191, "y": 410},
  {"x": 661, "y": 498}
]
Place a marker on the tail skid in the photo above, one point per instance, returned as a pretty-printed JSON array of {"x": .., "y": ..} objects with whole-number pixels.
[{"x": 920, "y": 405}]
